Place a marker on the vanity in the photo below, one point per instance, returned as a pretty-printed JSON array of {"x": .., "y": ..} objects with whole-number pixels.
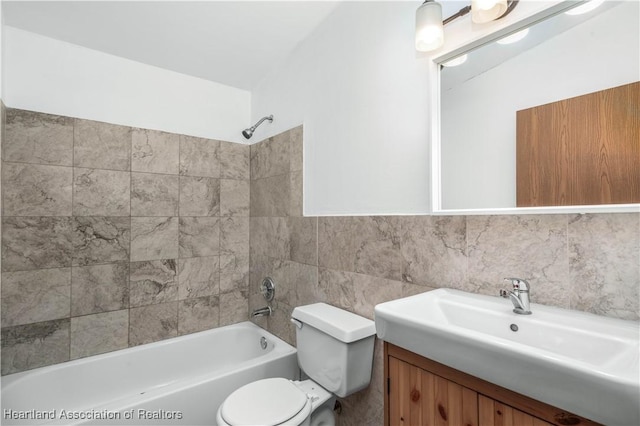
[
  {"x": 458, "y": 358},
  {"x": 421, "y": 391}
]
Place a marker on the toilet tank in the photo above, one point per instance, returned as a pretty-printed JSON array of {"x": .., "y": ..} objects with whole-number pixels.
[{"x": 335, "y": 347}]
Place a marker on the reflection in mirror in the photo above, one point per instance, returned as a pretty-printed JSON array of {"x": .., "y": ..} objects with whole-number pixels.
[{"x": 562, "y": 57}]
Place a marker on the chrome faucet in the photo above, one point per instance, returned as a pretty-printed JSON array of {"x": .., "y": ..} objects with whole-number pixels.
[
  {"x": 262, "y": 312},
  {"x": 519, "y": 296}
]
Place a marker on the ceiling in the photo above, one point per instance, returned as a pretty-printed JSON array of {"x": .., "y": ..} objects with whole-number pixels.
[{"x": 231, "y": 42}]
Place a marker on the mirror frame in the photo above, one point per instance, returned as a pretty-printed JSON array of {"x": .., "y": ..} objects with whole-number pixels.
[{"x": 525, "y": 15}]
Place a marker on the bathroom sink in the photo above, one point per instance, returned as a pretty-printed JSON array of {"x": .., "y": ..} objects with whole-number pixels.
[{"x": 580, "y": 362}]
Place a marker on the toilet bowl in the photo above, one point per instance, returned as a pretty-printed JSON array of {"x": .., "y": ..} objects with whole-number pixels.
[
  {"x": 335, "y": 350},
  {"x": 278, "y": 401}
]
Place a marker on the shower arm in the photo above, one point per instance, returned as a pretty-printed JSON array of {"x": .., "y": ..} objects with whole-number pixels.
[{"x": 255, "y": 126}]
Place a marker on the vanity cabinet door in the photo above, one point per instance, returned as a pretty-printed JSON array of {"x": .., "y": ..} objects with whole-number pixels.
[
  {"x": 418, "y": 397},
  {"x": 495, "y": 413}
]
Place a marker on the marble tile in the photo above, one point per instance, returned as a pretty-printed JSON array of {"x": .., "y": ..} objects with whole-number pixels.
[
  {"x": 296, "y": 149},
  {"x": 234, "y": 197},
  {"x": 101, "y": 192},
  {"x": 36, "y": 242},
  {"x": 269, "y": 237},
  {"x": 154, "y": 238},
  {"x": 234, "y": 272},
  {"x": 295, "y": 194},
  {"x": 368, "y": 245},
  {"x": 198, "y": 314},
  {"x": 35, "y": 296},
  {"x": 305, "y": 279},
  {"x": 356, "y": 293},
  {"x": 303, "y": 239},
  {"x": 153, "y": 282},
  {"x": 198, "y": 277},
  {"x": 36, "y": 190},
  {"x": 234, "y": 161},
  {"x": 199, "y": 196},
  {"x": 153, "y": 151},
  {"x": 153, "y": 323},
  {"x": 154, "y": 194},
  {"x": 199, "y": 236},
  {"x": 270, "y": 196},
  {"x": 199, "y": 157},
  {"x": 101, "y": 239},
  {"x": 413, "y": 289},
  {"x": 33, "y": 137},
  {"x": 233, "y": 307},
  {"x": 279, "y": 323},
  {"x": 604, "y": 264},
  {"x": 278, "y": 270},
  {"x": 99, "y": 333},
  {"x": 99, "y": 288},
  {"x": 533, "y": 247},
  {"x": 100, "y": 145},
  {"x": 29, "y": 346},
  {"x": 270, "y": 157},
  {"x": 234, "y": 235},
  {"x": 434, "y": 250}
]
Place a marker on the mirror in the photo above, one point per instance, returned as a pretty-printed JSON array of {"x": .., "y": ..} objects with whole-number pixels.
[{"x": 563, "y": 56}]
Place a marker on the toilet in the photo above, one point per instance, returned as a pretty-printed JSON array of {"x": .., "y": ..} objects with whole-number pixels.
[{"x": 335, "y": 350}]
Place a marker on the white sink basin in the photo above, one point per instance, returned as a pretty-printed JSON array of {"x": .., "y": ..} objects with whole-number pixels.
[{"x": 583, "y": 363}]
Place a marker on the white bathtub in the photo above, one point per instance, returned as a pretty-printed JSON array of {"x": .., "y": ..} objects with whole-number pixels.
[{"x": 177, "y": 381}]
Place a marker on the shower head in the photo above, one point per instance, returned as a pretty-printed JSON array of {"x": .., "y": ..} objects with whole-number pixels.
[{"x": 247, "y": 133}]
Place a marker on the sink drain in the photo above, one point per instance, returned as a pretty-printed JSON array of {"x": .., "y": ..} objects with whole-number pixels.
[{"x": 513, "y": 327}]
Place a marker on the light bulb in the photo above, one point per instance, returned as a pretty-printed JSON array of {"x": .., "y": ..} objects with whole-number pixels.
[
  {"x": 514, "y": 37},
  {"x": 429, "y": 30},
  {"x": 456, "y": 61},
  {"x": 483, "y": 11},
  {"x": 586, "y": 7}
]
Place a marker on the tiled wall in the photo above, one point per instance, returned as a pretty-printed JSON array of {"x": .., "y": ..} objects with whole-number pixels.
[
  {"x": 585, "y": 262},
  {"x": 115, "y": 236}
]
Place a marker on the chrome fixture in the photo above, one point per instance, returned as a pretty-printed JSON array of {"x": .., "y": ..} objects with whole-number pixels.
[
  {"x": 519, "y": 296},
  {"x": 430, "y": 26},
  {"x": 262, "y": 312},
  {"x": 247, "y": 133},
  {"x": 268, "y": 289}
]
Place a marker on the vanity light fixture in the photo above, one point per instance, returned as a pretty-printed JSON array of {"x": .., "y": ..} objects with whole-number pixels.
[
  {"x": 584, "y": 8},
  {"x": 430, "y": 26},
  {"x": 456, "y": 61},
  {"x": 513, "y": 38}
]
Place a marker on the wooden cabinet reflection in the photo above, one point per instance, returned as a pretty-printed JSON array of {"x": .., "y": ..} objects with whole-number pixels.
[{"x": 580, "y": 151}]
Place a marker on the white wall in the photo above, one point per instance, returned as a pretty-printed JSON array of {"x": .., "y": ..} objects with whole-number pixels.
[
  {"x": 361, "y": 91},
  {"x": 478, "y": 117},
  {"x": 47, "y": 75}
]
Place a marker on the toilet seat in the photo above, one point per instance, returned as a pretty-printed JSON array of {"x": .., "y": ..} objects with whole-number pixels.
[{"x": 267, "y": 402}]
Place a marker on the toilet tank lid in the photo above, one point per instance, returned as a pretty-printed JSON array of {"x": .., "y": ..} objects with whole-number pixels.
[{"x": 338, "y": 323}]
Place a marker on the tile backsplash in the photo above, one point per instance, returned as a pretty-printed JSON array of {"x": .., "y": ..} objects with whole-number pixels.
[
  {"x": 115, "y": 236},
  {"x": 587, "y": 262}
]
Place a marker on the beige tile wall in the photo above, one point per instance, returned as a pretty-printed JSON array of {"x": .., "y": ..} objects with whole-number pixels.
[
  {"x": 587, "y": 262},
  {"x": 115, "y": 236}
]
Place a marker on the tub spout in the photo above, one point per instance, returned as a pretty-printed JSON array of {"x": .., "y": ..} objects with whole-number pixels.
[{"x": 262, "y": 312}]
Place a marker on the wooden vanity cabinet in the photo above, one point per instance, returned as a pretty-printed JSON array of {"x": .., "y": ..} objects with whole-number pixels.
[{"x": 423, "y": 392}]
